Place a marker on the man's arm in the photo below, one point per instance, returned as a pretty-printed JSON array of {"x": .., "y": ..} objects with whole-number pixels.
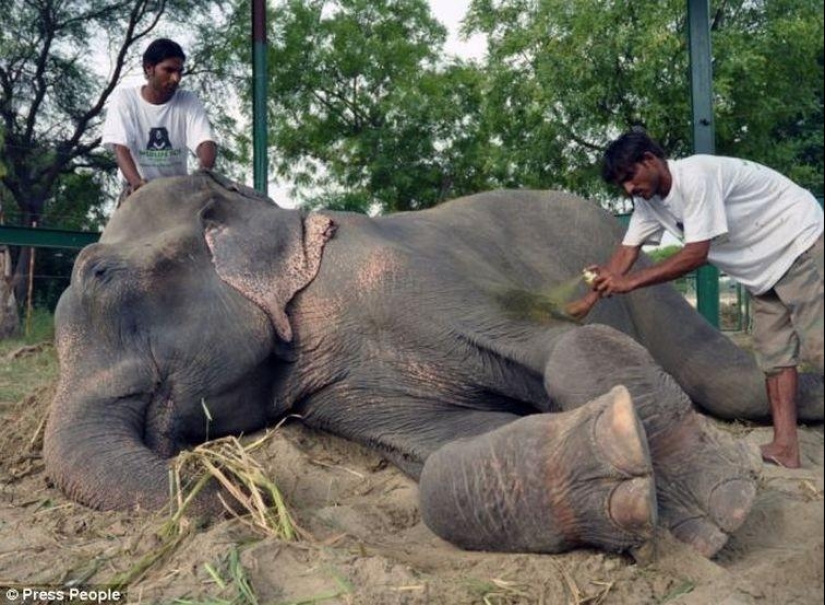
[
  {"x": 690, "y": 257},
  {"x": 620, "y": 263},
  {"x": 207, "y": 152},
  {"x": 127, "y": 166}
]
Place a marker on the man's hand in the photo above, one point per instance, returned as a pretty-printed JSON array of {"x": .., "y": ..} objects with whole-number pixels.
[
  {"x": 608, "y": 283},
  {"x": 136, "y": 185},
  {"x": 207, "y": 152},
  {"x": 578, "y": 309},
  {"x": 615, "y": 279}
]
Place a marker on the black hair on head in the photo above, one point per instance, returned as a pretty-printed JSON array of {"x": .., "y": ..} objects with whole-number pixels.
[
  {"x": 624, "y": 152},
  {"x": 160, "y": 50}
]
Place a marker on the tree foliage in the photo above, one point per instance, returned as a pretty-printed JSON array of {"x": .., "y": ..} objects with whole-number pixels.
[
  {"x": 366, "y": 112},
  {"x": 363, "y": 112},
  {"x": 566, "y": 76}
]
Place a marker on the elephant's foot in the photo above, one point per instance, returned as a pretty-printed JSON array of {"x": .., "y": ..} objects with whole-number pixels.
[
  {"x": 546, "y": 483},
  {"x": 705, "y": 480}
]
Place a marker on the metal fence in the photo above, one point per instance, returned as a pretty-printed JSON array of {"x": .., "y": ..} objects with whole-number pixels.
[{"x": 734, "y": 301}]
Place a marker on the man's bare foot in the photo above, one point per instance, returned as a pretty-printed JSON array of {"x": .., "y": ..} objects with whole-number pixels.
[{"x": 786, "y": 456}]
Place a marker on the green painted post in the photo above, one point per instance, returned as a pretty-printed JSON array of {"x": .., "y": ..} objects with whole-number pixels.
[
  {"x": 259, "y": 128},
  {"x": 701, "y": 95}
]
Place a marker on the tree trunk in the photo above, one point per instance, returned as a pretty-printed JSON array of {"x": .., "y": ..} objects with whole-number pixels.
[
  {"x": 32, "y": 210},
  {"x": 9, "y": 321}
]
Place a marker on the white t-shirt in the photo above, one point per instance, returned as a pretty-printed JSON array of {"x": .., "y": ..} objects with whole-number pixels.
[
  {"x": 157, "y": 135},
  {"x": 758, "y": 221}
]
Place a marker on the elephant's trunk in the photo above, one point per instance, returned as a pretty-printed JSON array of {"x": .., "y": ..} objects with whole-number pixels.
[{"x": 93, "y": 451}]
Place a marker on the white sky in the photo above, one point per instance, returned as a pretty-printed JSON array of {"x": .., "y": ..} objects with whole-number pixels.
[{"x": 451, "y": 13}]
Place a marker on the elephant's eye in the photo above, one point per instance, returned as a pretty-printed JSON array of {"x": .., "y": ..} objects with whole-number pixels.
[
  {"x": 95, "y": 272},
  {"x": 102, "y": 270},
  {"x": 91, "y": 265}
]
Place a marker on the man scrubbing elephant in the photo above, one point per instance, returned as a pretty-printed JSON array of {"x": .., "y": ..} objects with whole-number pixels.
[{"x": 750, "y": 221}]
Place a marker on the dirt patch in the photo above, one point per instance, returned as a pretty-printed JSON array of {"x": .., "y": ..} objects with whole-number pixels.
[{"x": 367, "y": 543}]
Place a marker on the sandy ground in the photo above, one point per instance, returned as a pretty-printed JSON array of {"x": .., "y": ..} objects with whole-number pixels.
[{"x": 365, "y": 542}]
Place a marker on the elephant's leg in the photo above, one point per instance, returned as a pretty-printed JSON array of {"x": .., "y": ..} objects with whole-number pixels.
[
  {"x": 546, "y": 482},
  {"x": 705, "y": 479}
]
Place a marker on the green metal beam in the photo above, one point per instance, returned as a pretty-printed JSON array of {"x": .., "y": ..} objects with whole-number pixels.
[
  {"x": 46, "y": 238},
  {"x": 259, "y": 70},
  {"x": 701, "y": 96},
  {"x": 623, "y": 218}
]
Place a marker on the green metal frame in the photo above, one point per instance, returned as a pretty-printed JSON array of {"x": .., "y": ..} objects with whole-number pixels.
[
  {"x": 701, "y": 96},
  {"x": 259, "y": 76},
  {"x": 46, "y": 238}
]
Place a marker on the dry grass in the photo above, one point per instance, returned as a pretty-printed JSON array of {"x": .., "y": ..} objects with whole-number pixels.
[
  {"x": 28, "y": 372},
  {"x": 28, "y": 362},
  {"x": 255, "y": 499},
  {"x": 247, "y": 494},
  {"x": 25, "y": 369}
]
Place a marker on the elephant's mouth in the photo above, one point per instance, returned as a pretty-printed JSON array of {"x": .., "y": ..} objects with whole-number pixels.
[
  {"x": 180, "y": 417},
  {"x": 161, "y": 425}
]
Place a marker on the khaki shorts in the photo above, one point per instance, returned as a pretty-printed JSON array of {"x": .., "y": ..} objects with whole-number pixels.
[{"x": 788, "y": 318}]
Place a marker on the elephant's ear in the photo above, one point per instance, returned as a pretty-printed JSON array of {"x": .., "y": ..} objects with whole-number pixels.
[{"x": 265, "y": 252}]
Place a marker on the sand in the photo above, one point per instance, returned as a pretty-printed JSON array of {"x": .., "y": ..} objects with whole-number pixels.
[{"x": 364, "y": 542}]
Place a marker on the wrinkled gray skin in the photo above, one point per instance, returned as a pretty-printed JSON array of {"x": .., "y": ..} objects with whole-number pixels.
[{"x": 423, "y": 335}]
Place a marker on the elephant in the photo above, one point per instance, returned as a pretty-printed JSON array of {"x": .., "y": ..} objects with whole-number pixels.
[{"x": 205, "y": 309}]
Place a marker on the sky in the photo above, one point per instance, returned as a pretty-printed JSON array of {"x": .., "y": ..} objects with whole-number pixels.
[{"x": 451, "y": 13}]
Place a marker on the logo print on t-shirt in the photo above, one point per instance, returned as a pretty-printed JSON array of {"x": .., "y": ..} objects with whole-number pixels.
[{"x": 158, "y": 139}]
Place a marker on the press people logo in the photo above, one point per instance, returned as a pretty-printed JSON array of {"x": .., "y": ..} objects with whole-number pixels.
[{"x": 29, "y": 594}]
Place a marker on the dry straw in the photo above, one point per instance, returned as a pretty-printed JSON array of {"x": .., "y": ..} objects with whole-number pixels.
[{"x": 247, "y": 493}]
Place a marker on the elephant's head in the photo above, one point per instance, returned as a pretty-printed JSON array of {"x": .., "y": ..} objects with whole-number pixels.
[{"x": 170, "y": 333}]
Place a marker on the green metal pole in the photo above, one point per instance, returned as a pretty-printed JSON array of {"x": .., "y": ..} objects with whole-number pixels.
[
  {"x": 701, "y": 95},
  {"x": 259, "y": 129}
]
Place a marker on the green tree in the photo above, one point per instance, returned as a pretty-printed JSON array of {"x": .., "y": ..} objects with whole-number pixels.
[
  {"x": 768, "y": 82},
  {"x": 566, "y": 76},
  {"x": 52, "y": 100},
  {"x": 363, "y": 113}
]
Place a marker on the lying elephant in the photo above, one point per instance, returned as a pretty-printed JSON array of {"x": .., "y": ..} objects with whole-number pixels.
[{"x": 427, "y": 336}]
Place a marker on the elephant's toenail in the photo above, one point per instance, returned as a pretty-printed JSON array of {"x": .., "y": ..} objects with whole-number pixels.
[
  {"x": 632, "y": 505},
  {"x": 620, "y": 435},
  {"x": 730, "y": 502}
]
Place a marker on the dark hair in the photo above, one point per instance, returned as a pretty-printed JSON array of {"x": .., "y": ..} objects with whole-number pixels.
[
  {"x": 160, "y": 50},
  {"x": 624, "y": 152}
]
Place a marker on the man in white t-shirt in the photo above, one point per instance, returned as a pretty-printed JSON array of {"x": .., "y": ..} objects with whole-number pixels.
[
  {"x": 152, "y": 128},
  {"x": 751, "y": 222}
]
